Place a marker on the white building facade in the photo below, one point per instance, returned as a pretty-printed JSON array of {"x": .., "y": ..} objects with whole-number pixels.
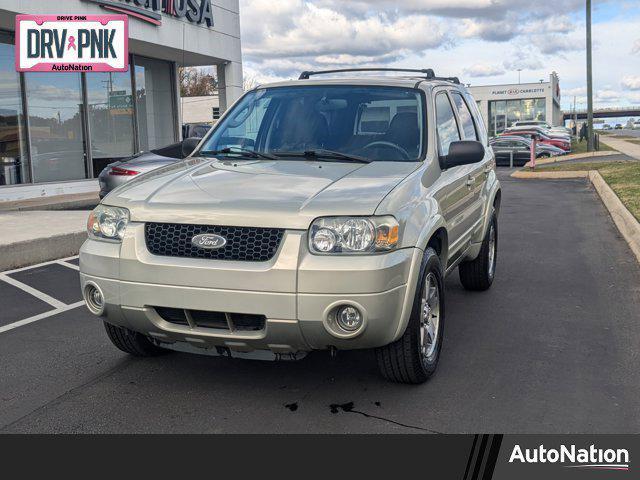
[
  {"x": 503, "y": 105},
  {"x": 58, "y": 130}
]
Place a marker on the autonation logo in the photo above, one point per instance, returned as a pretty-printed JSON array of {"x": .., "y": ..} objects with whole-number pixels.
[{"x": 588, "y": 458}]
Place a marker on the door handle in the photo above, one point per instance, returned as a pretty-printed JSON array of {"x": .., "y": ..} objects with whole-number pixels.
[{"x": 470, "y": 182}]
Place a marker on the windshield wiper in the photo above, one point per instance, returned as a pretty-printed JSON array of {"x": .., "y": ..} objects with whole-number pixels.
[
  {"x": 239, "y": 151},
  {"x": 321, "y": 153}
]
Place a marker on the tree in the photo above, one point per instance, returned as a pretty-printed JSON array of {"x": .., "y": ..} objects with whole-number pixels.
[{"x": 195, "y": 82}]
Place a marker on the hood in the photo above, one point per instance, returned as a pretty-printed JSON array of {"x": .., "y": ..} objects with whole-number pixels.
[{"x": 261, "y": 193}]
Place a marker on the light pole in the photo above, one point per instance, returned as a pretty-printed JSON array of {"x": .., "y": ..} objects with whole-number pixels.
[
  {"x": 519, "y": 70},
  {"x": 589, "y": 82}
]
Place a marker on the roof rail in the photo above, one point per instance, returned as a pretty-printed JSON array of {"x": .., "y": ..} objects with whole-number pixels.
[
  {"x": 455, "y": 80},
  {"x": 428, "y": 72}
]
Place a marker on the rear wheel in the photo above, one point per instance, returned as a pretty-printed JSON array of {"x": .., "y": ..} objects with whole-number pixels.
[
  {"x": 131, "y": 342},
  {"x": 413, "y": 358},
  {"x": 478, "y": 274}
]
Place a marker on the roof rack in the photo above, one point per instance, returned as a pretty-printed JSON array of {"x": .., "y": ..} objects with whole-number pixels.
[
  {"x": 428, "y": 72},
  {"x": 455, "y": 80}
]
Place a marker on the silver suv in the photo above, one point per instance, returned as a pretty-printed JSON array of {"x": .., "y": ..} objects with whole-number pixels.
[{"x": 319, "y": 214}]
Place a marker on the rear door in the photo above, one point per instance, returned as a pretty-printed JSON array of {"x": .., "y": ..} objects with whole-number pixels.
[
  {"x": 478, "y": 172},
  {"x": 454, "y": 196}
]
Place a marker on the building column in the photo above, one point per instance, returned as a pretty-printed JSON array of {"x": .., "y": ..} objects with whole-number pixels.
[{"x": 229, "y": 83}]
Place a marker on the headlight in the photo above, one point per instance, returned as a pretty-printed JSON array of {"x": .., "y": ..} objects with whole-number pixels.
[
  {"x": 108, "y": 222},
  {"x": 349, "y": 235}
]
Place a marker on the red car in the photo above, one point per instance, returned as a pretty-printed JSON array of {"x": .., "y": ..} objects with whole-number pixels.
[{"x": 556, "y": 142}]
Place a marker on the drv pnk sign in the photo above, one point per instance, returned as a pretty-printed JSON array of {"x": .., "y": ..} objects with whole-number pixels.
[{"x": 72, "y": 43}]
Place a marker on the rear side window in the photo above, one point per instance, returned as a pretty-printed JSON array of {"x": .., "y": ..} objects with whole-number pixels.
[
  {"x": 466, "y": 120},
  {"x": 447, "y": 126}
]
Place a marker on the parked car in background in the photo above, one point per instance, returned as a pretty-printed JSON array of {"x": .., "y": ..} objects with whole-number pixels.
[
  {"x": 119, "y": 173},
  {"x": 606, "y": 126},
  {"x": 542, "y": 124},
  {"x": 618, "y": 126},
  {"x": 562, "y": 143},
  {"x": 506, "y": 146},
  {"x": 543, "y": 131},
  {"x": 636, "y": 125}
]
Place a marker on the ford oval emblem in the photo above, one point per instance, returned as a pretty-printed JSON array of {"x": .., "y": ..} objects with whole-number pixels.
[{"x": 208, "y": 241}]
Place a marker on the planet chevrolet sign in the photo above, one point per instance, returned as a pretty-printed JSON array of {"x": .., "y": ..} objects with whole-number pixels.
[
  {"x": 72, "y": 43},
  {"x": 194, "y": 11}
]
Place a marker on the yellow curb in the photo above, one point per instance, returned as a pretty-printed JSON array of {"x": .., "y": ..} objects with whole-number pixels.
[
  {"x": 622, "y": 217},
  {"x": 627, "y": 224},
  {"x": 549, "y": 175}
]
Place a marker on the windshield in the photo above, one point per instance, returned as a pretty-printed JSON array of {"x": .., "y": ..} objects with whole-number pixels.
[{"x": 366, "y": 122}]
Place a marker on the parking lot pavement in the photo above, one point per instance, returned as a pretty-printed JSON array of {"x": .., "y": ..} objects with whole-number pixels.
[{"x": 551, "y": 348}]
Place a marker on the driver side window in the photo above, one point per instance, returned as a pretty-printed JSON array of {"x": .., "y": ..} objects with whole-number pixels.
[{"x": 446, "y": 123}]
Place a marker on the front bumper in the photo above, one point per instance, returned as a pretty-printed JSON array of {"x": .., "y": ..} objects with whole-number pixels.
[{"x": 297, "y": 293}]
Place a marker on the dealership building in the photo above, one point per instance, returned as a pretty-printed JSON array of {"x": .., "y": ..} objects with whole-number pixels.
[
  {"x": 58, "y": 130},
  {"x": 503, "y": 105}
]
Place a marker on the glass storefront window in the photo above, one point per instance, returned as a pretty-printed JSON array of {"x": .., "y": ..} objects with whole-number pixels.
[
  {"x": 54, "y": 102},
  {"x": 14, "y": 164},
  {"x": 504, "y": 113},
  {"x": 46, "y": 130},
  {"x": 154, "y": 103},
  {"x": 110, "y": 109}
]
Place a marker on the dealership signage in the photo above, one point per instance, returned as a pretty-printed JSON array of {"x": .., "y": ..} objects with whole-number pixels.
[
  {"x": 68, "y": 43},
  {"x": 517, "y": 91},
  {"x": 195, "y": 11}
]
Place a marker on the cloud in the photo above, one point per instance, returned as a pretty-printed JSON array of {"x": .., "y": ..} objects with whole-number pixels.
[
  {"x": 607, "y": 96},
  {"x": 636, "y": 47},
  {"x": 631, "y": 82},
  {"x": 483, "y": 70}
]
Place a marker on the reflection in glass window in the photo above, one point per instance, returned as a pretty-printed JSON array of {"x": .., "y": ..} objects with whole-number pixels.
[
  {"x": 154, "y": 101},
  {"x": 55, "y": 121},
  {"x": 466, "y": 119},
  {"x": 14, "y": 166},
  {"x": 447, "y": 125},
  {"x": 110, "y": 108}
]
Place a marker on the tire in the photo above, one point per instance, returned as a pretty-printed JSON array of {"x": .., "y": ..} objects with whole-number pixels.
[
  {"x": 477, "y": 275},
  {"x": 410, "y": 359},
  {"x": 131, "y": 342}
]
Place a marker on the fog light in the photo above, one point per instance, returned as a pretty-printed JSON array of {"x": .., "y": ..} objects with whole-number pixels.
[
  {"x": 349, "y": 318},
  {"x": 94, "y": 299}
]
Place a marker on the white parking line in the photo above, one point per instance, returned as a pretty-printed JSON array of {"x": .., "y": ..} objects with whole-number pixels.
[
  {"x": 32, "y": 291},
  {"x": 41, "y": 316},
  {"x": 60, "y": 261},
  {"x": 68, "y": 265}
]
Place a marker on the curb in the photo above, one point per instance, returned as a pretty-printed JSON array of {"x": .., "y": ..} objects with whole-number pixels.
[
  {"x": 626, "y": 223},
  {"x": 22, "y": 254},
  {"x": 624, "y": 220},
  {"x": 549, "y": 175}
]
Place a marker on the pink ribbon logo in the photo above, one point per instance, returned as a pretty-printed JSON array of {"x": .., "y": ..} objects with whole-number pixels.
[{"x": 72, "y": 43}]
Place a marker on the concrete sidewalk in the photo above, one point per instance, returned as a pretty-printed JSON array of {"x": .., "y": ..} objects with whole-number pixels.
[
  {"x": 628, "y": 148},
  {"x": 34, "y": 237}
]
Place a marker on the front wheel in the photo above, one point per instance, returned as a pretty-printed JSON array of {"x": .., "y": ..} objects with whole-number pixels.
[
  {"x": 478, "y": 274},
  {"x": 413, "y": 358}
]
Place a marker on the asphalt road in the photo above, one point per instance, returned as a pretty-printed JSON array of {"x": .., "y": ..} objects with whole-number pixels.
[
  {"x": 552, "y": 348},
  {"x": 628, "y": 132}
]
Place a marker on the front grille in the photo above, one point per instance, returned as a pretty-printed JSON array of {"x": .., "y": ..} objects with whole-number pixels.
[
  {"x": 249, "y": 244},
  {"x": 218, "y": 320}
]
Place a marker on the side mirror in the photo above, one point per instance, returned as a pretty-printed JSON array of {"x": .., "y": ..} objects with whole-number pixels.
[
  {"x": 464, "y": 152},
  {"x": 189, "y": 145}
]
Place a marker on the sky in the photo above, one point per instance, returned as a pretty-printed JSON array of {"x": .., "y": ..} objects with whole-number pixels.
[{"x": 484, "y": 42}]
